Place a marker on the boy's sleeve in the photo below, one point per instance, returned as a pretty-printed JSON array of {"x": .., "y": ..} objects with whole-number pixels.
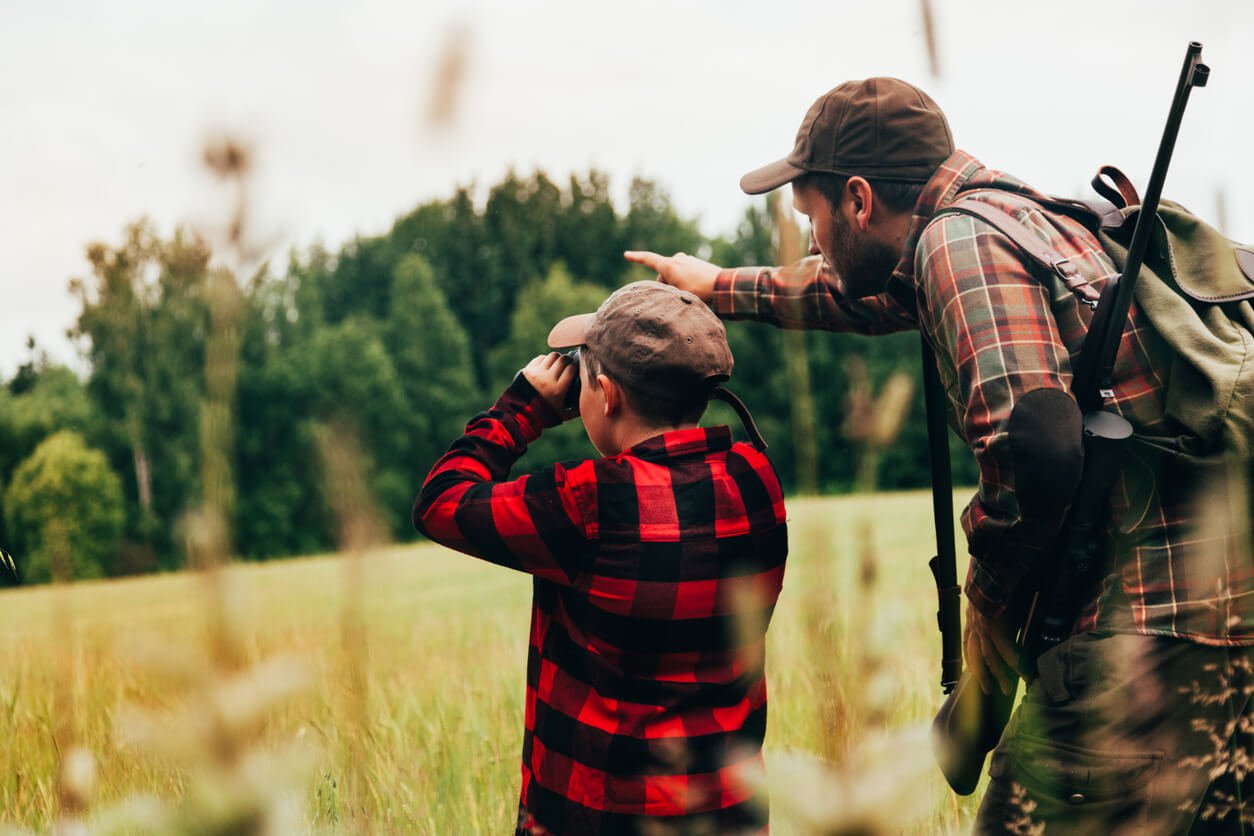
[
  {"x": 806, "y": 295},
  {"x": 534, "y": 523}
]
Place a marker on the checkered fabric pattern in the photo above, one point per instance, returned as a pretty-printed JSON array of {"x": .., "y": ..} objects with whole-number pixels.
[
  {"x": 656, "y": 572},
  {"x": 1001, "y": 328}
]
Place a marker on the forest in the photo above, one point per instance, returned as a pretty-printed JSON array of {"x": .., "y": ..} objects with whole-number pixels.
[{"x": 389, "y": 344}]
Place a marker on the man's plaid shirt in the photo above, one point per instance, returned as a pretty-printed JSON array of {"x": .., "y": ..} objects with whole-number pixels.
[
  {"x": 656, "y": 572},
  {"x": 1000, "y": 329}
]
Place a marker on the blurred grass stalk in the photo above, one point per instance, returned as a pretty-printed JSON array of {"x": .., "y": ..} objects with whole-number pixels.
[
  {"x": 208, "y": 528},
  {"x": 209, "y": 538},
  {"x": 215, "y": 729},
  {"x": 854, "y": 709},
  {"x": 796, "y": 360},
  {"x": 75, "y": 766},
  {"x": 361, "y": 529}
]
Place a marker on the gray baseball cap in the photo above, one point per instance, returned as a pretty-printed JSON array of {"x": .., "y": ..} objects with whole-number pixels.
[{"x": 655, "y": 338}]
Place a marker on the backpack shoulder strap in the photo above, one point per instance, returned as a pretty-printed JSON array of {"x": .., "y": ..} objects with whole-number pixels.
[{"x": 1027, "y": 241}]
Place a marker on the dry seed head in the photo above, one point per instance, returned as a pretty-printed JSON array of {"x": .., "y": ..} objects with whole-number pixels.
[
  {"x": 205, "y": 536},
  {"x": 78, "y": 778},
  {"x": 227, "y": 157},
  {"x": 880, "y": 796},
  {"x": 859, "y": 405},
  {"x": 891, "y": 409},
  {"x": 176, "y": 667},
  {"x": 244, "y": 701},
  {"x": 221, "y": 719},
  {"x": 450, "y": 77}
]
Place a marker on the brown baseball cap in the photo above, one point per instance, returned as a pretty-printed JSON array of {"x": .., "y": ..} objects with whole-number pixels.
[
  {"x": 878, "y": 128},
  {"x": 655, "y": 338}
]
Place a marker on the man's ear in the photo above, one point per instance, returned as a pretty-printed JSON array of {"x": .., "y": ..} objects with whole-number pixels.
[
  {"x": 612, "y": 394},
  {"x": 862, "y": 201}
]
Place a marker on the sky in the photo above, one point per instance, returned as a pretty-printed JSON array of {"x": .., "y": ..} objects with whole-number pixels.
[{"x": 105, "y": 107}]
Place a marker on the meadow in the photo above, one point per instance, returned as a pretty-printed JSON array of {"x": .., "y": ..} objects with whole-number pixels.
[{"x": 383, "y": 692}]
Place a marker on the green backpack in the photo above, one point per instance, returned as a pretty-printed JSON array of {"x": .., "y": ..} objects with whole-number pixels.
[{"x": 1196, "y": 287}]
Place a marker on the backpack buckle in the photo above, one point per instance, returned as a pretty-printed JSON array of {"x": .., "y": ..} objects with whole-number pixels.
[
  {"x": 1065, "y": 270},
  {"x": 1075, "y": 282}
]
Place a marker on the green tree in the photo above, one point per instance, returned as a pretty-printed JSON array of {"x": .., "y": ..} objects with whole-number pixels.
[
  {"x": 143, "y": 327},
  {"x": 342, "y": 375},
  {"x": 590, "y": 237},
  {"x": 361, "y": 280},
  {"x": 66, "y": 509},
  {"x": 653, "y": 224},
  {"x": 432, "y": 357},
  {"x": 49, "y": 398}
]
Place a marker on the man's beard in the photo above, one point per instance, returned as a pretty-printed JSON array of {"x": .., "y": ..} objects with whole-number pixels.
[{"x": 863, "y": 264}]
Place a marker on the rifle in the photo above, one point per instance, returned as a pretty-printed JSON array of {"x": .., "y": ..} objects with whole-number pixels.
[{"x": 970, "y": 723}]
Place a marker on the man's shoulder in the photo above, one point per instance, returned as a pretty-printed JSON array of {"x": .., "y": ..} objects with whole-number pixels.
[
  {"x": 1062, "y": 224},
  {"x": 962, "y": 235}
]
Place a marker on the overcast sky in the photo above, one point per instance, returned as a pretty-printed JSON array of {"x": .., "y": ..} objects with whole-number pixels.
[{"x": 104, "y": 107}]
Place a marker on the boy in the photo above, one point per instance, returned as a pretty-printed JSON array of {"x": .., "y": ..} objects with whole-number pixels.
[{"x": 656, "y": 571}]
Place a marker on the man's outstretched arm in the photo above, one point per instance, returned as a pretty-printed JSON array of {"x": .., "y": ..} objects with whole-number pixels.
[{"x": 801, "y": 296}]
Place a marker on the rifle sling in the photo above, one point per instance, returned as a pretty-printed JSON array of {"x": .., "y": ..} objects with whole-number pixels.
[{"x": 944, "y": 564}]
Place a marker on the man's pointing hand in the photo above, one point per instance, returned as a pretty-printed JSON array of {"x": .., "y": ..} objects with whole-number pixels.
[{"x": 681, "y": 270}]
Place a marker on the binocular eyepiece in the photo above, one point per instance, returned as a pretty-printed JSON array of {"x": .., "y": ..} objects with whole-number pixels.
[{"x": 571, "y": 404}]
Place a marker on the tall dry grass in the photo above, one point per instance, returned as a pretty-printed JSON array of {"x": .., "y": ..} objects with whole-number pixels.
[{"x": 851, "y": 671}]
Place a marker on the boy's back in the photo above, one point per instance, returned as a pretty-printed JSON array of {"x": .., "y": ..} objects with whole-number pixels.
[{"x": 656, "y": 573}]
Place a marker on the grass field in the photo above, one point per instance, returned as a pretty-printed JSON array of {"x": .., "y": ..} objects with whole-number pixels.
[{"x": 410, "y": 720}]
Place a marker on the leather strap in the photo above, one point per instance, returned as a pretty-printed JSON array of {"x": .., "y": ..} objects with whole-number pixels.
[
  {"x": 1028, "y": 241},
  {"x": 718, "y": 393},
  {"x": 1122, "y": 193},
  {"x": 1245, "y": 260}
]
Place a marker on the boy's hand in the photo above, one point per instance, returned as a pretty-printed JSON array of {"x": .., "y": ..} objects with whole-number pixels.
[
  {"x": 684, "y": 271},
  {"x": 551, "y": 375}
]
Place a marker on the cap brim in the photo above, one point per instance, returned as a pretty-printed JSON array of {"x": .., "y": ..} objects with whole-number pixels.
[
  {"x": 570, "y": 331},
  {"x": 770, "y": 177}
]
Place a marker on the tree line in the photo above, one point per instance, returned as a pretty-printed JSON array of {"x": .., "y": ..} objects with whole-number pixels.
[{"x": 399, "y": 337}]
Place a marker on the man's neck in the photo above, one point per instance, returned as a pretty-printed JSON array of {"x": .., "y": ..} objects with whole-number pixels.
[{"x": 897, "y": 228}]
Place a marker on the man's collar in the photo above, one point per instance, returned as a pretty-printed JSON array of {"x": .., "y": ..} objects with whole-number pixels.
[
  {"x": 960, "y": 172},
  {"x": 957, "y": 170}
]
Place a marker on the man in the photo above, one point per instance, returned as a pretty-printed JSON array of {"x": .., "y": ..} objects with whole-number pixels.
[{"x": 1142, "y": 720}]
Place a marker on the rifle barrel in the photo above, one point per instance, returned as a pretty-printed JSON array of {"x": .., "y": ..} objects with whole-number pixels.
[{"x": 1092, "y": 392}]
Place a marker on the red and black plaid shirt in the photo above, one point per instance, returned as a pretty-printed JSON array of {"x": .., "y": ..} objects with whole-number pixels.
[
  {"x": 1001, "y": 329},
  {"x": 656, "y": 573}
]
